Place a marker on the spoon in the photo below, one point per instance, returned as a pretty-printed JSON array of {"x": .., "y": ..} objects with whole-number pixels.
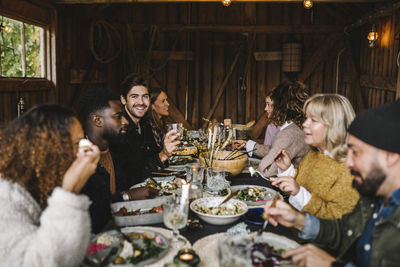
[{"x": 229, "y": 197}]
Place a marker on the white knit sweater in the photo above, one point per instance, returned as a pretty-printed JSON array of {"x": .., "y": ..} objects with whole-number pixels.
[{"x": 58, "y": 236}]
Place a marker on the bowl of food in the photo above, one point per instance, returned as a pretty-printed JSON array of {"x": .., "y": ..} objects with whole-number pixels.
[
  {"x": 208, "y": 210},
  {"x": 232, "y": 162}
]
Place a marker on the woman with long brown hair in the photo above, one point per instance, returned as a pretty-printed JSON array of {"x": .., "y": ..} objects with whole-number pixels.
[
  {"x": 158, "y": 114},
  {"x": 45, "y": 221}
]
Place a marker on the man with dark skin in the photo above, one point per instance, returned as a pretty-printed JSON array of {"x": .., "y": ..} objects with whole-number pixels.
[
  {"x": 369, "y": 235},
  {"x": 103, "y": 120}
]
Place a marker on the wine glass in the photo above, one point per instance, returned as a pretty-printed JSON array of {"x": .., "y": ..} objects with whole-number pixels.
[{"x": 175, "y": 215}]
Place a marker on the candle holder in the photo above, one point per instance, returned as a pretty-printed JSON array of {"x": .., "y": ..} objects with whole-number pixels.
[{"x": 187, "y": 256}]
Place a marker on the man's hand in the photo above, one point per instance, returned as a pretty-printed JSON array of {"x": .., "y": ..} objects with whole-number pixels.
[
  {"x": 284, "y": 214},
  {"x": 141, "y": 193},
  {"x": 170, "y": 145},
  {"x": 81, "y": 169},
  {"x": 286, "y": 184},
  {"x": 309, "y": 255},
  {"x": 238, "y": 144},
  {"x": 282, "y": 160}
]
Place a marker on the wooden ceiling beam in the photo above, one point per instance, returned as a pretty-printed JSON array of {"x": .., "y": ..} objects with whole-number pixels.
[
  {"x": 161, "y": 1},
  {"x": 279, "y": 29}
]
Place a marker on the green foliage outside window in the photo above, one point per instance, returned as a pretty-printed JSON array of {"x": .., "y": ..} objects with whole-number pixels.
[{"x": 11, "y": 50}]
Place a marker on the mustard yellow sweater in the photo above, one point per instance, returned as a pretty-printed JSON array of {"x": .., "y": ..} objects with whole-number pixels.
[{"x": 329, "y": 183}]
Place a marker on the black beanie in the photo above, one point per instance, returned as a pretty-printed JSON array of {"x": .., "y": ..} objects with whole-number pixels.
[{"x": 379, "y": 126}]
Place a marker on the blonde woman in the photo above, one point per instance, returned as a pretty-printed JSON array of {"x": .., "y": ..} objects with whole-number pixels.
[{"x": 321, "y": 185}]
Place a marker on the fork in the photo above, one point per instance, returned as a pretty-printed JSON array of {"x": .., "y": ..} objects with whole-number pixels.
[
  {"x": 273, "y": 205},
  {"x": 258, "y": 173}
]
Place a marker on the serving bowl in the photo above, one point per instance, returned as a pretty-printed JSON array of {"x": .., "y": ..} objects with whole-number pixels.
[
  {"x": 210, "y": 202},
  {"x": 233, "y": 166}
]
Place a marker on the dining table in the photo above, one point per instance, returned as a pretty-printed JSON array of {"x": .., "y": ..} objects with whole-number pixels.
[
  {"x": 204, "y": 237},
  {"x": 194, "y": 234}
]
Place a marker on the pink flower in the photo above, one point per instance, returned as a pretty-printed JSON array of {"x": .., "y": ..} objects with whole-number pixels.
[
  {"x": 94, "y": 248},
  {"x": 158, "y": 240}
]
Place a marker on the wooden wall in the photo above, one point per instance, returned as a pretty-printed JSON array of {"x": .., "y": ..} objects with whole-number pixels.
[{"x": 201, "y": 52}]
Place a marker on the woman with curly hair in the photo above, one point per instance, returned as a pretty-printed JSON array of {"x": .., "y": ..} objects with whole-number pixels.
[
  {"x": 45, "y": 221},
  {"x": 322, "y": 185},
  {"x": 285, "y": 111}
]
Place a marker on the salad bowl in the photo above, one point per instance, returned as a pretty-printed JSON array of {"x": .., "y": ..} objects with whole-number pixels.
[{"x": 208, "y": 210}]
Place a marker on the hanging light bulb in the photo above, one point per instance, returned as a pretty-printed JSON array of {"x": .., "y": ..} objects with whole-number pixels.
[
  {"x": 226, "y": 2},
  {"x": 6, "y": 28},
  {"x": 308, "y": 4},
  {"x": 372, "y": 36}
]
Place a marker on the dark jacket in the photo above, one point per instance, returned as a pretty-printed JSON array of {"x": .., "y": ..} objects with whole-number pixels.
[
  {"x": 341, "y": 235},
  {"x": 139, "y": 152},
  {"x": 97, "y": 188}
]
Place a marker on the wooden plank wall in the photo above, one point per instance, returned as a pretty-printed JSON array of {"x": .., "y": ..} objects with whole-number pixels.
[
  {"x": 243, "y": 98},
  {"x": 210, "y": 54},
  {"x": 378, "y": 68}
]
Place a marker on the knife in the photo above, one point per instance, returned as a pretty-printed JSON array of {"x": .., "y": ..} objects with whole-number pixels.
[{"x": 229, "y": 197}]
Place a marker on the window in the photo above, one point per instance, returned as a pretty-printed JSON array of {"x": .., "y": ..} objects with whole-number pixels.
[{"x": 22, "y": 50}]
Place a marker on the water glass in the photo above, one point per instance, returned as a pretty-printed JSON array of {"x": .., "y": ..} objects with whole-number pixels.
[
  {"x": 175, "y": 215},
  {"x": 178, "y": 127},
  {"x": 195, "y": 191},
  {"x": 216, "y": 179},
  {"x": 194, "y": 172}
]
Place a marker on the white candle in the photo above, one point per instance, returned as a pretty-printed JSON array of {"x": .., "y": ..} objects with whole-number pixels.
[
  {"x": 209, "y": 138},
  {"x": 185, "y": 192}
]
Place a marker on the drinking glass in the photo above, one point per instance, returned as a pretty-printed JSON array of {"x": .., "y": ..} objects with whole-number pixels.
[
  {"x": 177, "y": 127},
  {"x": 194, "y": 172},
  {"x": 216, "y": 179},
  {"x": 175, "y": 215}
]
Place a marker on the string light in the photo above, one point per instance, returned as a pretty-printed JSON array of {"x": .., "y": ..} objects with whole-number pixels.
[
  {"x": 226, "y": 2},
  {"x": 308, "y": 4},
  {"x": 372, "y": 36}
]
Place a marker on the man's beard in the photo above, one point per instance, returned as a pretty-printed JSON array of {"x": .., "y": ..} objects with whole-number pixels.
[
  {"x": 113, "y": 137},
  {"x": 371, "y": 183}
]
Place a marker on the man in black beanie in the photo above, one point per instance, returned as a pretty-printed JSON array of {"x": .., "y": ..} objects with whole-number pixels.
[{"x": 370, "y": 235}]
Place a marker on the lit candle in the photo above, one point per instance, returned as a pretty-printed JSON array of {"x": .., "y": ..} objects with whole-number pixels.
[
  {"x": 209, "y": 138},
  {"x": 186, "y": 257}
]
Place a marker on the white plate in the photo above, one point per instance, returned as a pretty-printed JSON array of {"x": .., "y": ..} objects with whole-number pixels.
[
  {"x": 207, "y": 247},
  {"x": 143, "y": 219},
  {"x": 168, "y": 179},
  {"x": 101, "y": 254},
  {"x": 270, "y": 194}
]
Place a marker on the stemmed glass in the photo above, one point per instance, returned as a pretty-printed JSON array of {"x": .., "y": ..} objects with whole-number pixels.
[{"x": 175, "y": 216}]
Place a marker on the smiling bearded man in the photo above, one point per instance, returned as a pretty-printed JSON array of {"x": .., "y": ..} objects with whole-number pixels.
[{"x": 139, "y": 151}]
